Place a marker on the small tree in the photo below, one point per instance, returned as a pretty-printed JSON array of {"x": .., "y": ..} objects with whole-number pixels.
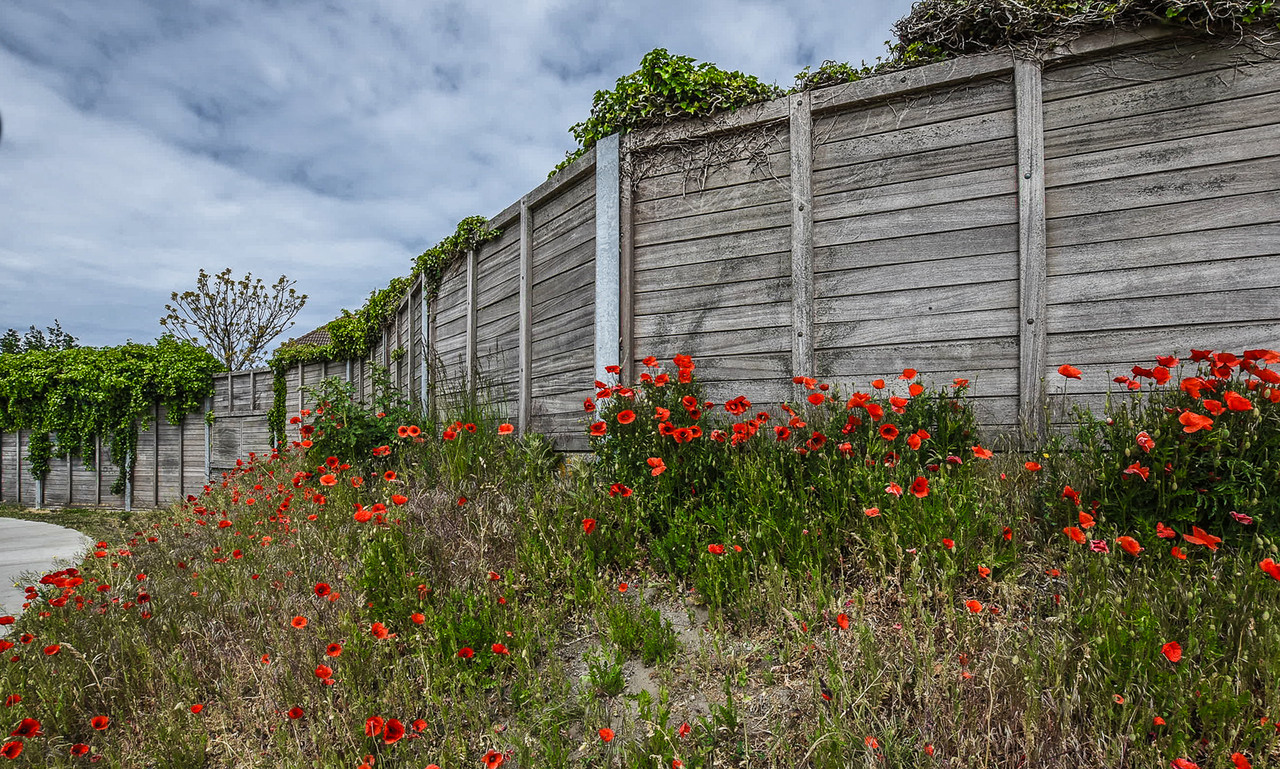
[
  {"x": 13, "y": 343},
  {"x": 234, "y": 319}
]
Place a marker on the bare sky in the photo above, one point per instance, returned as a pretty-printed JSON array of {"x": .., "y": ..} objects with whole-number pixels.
[{"x": 330, "y": 142}]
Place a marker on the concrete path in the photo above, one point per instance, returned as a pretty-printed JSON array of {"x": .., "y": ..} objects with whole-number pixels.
[{"x": 31, "y": 546}]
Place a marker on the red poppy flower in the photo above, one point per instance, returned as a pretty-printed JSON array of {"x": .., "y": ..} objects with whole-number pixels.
[
  {"x": 888, "y": 431},
  {"x": 659, "y": 467},
  {"x": 1099, "y": 546},
  {"x": 373, "y": 726},
  {"x": 974, "y": 606},
  {"x": 322, "y": 589},
  {"x": 506, "y": 428},
  {"x": 79, "y": 749},
  {"x": 715, "y": 549},
  {"x": 588, "y": 525},
  {"x": 296, "y": 712},
  {"x": 982, "y": 453},
  {"x": 588, "y": 405},
  {"x": 329, "y": 479},
  {"x": 948, "y": 544},
  {"x": 29, "y": 727},
  {"x": 1158, "y": 721},
  {"x": 323, "y": 671},
  {"x": 1075, "y": 534},
  {"x": 419, "y": 724},
  {"x": 842, "y": 620},
  {"x": 1176, "y": 552},
  {"x": 871, "y": 512},
  {"x": 393, "y": 731},
  {"x": 52, "y": 649},
  {"x": 1240, "y": 762},
  {"x": 379, "y": 631},
  {"x": 984, "y": 572},
  {"x": 11, "y": 750},
  {"x": 1086, "y": 520},
  {"x": 893, "y": 489},
  {"x": 6, "y": 619},
  {"x": 1032, "y": 466},
  {"x": 299, "y": 621},
  {"x": 1191, "y": 422},
  {"x": 1172, "y": 651},
  {"x": 626, "y": 417},
  {"x": 606, "y": 734},
  {"x": 1129, "y": 545},
  {"x": 1183, "y": 763},
  {"x": 100, "y": 722},
  {"x": 1137, "y": 469},
  {"x": 1145, "y": 440},
  {"x": 920, "y": 487},
  {"x": 1199, "y": 536},
  {"x": 1241, "y": 518},
  {"x": 1070, "y": 372},
  {"x": 399, "y": 499},
  {"x": 12, "y": 699},
  {"x": 333, "y": 650},
  {"x": 466, "y": 652},
  {"x": 1164, "y": 532},
  {"x": 493, "y": 759}
]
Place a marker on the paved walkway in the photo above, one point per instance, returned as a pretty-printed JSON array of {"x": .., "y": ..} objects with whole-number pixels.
[{"x": 31, "y": 546}]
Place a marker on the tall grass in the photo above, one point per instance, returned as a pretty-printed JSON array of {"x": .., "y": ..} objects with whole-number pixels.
[{"x": 723, "y": 585}]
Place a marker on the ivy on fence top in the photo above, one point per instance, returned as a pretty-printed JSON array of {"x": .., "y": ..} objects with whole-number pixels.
[{"x": 85, "y": 393}]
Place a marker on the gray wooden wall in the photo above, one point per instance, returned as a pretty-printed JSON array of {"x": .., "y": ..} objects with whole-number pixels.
[
  {"x": 989, "y": 217},
  {"x": 172, "y": 463}
]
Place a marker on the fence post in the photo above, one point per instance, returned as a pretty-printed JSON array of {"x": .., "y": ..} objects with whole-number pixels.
[
  {"x": 17, "y": 466},
  {"x": 208, "y": 440},
  {"x": 1032, "y": 260},
  {"x": 525, "y": 402},
  {"x": 128, "y": 481},
  {"x": 155, "y": 456},
  {"x": 97, "y": 470},
  {"x": 800, "y": 106},
  {"x": 425, "y": 354},
  {"x": 626, "y": 266},
  {"x": 608, "y": 267},
  {"x": 472, "y": 269}
]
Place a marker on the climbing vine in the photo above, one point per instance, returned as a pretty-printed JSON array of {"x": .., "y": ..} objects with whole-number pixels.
[
  {"x": 86, "y": 393},
  {"x": 664, "y": 89},
  {"x": 352, "y": 335}
]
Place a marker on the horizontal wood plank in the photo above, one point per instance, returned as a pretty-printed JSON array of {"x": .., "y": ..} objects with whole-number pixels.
[
  {"x": 942, "y": 217},
  {"x": 1164, "y": 219},
  {"x": 1194, "y": 120},
  {"x": 1242, "y": 305},
  {"x": 924, "y": 302},
  {"x": 739, "y": 317},
  {"x": 734, "y": 222},
  {"x": 976, "y": 156},
  {"x": 1172, "y": 249},
  {"x": 733, "y": 245},
  {"x": 664, "y": 299},
  {"x": 716, "y": 272},
  {"x": 940, "y": 105},
  {"x": 960, "y": 271},
  {"x": 910, "y": 141},
  {"x": 930, "y": 247},
  {"x": 902, "y": 196}
]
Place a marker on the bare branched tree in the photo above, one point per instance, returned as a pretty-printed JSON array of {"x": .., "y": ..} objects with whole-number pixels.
[{"x": 234, "y": 319}]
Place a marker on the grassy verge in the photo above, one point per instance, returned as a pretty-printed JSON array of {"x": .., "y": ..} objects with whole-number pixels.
[{"x": 850, "y": 580}]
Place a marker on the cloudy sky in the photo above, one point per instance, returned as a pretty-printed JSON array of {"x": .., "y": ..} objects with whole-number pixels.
[{"x": 330, "y": 142}]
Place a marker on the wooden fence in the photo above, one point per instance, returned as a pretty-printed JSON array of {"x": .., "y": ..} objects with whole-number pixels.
[{"x": 989, "y": 217}]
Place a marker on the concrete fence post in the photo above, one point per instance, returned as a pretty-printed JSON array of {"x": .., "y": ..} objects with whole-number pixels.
[{"x": 608, "y": 332}]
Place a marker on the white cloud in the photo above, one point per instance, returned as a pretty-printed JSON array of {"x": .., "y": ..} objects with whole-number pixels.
[{"x": 143, "y": 142}]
